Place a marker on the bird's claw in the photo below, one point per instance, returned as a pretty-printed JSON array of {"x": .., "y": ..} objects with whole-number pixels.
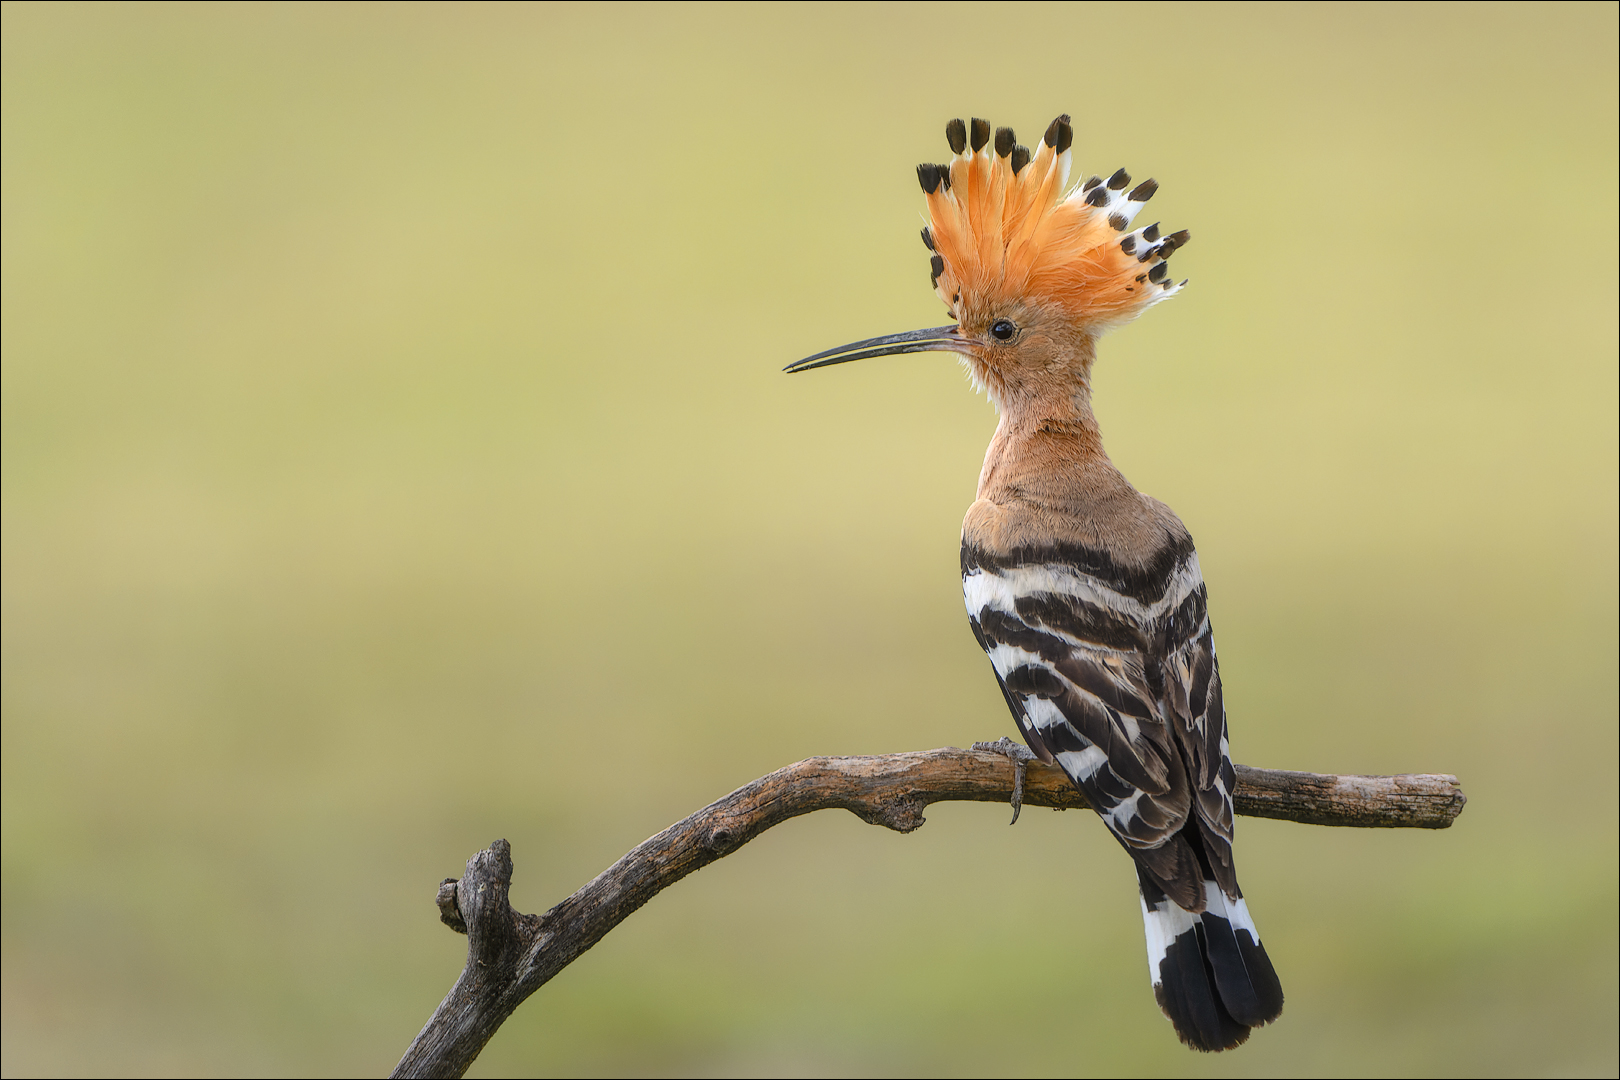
[{"x": 1020, "y": 756}]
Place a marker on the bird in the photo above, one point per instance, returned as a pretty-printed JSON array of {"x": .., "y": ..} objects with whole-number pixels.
[{"x": 1085, "y": 593}]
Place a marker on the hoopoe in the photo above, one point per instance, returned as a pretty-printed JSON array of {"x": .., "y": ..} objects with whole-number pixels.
[{"x": 1085, "y": 593}]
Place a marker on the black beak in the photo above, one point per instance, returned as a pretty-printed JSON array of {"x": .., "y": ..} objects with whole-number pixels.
[{"x": 936, "y": 339}]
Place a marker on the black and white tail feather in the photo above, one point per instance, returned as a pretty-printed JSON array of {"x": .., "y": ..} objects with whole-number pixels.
[
  {"x": 1211, "y": 976},
  {"x": 1110, "y": 671}
]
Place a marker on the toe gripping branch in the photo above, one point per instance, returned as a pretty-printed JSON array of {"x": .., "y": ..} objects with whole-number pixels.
[{"x": 1020, "y": 756}]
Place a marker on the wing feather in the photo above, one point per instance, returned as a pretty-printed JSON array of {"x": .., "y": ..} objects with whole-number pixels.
[{"x": 1115, "y": 677}]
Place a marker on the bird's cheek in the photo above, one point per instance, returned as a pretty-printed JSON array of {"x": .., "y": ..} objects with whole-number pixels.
[
  {"x": 985, "y": 362},
  {"x": 984, "y": 373}
]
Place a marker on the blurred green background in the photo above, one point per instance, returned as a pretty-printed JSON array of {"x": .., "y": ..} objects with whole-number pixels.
[{"x": 395, "y": 456}]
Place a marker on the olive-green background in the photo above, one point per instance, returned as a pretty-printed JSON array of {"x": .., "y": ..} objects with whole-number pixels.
[{"x": 396, "y": 457}]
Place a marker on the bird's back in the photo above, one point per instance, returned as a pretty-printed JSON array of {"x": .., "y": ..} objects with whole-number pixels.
[{"x": 1089, "y": 600}]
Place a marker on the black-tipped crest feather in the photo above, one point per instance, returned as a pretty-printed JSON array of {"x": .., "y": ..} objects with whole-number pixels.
[{"x": 980, "y": 130}]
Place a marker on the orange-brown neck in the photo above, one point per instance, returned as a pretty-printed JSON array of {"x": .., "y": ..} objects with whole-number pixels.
[
  {"x": 1047, "y": 440},
  {"x": 1046, "y": 478}
]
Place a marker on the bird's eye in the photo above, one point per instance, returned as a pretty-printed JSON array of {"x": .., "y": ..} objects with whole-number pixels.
[{"x": 1003, "y": 329}]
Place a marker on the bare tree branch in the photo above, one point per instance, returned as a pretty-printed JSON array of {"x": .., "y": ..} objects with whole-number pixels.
[{"x": 510, "y": 956}]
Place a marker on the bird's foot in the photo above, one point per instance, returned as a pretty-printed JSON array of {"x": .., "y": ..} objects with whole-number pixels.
[{"x": 1020, "y": 756}]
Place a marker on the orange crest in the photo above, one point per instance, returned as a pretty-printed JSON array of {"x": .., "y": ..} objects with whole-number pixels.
[{"x": 1002, "y": 230}]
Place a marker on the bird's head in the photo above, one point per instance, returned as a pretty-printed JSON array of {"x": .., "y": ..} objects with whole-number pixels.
[{"x": 1031, "y": 272}]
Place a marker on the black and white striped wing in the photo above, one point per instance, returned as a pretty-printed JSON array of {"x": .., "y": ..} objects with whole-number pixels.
[{"x": 1112, "y": 674}]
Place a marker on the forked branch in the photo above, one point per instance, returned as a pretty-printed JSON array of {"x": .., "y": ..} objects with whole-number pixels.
[{"x": 510, "y": 956}]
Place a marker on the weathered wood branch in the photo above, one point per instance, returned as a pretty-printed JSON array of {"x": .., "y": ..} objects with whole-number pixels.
[{"x": 510, "y": 955}]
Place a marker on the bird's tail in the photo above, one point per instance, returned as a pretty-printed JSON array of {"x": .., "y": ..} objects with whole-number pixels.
[{"x": 1210, "y": 973}]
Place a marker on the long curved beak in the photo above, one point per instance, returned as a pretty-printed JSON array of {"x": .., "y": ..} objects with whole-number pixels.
[{"x": 934, "y": 339}]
